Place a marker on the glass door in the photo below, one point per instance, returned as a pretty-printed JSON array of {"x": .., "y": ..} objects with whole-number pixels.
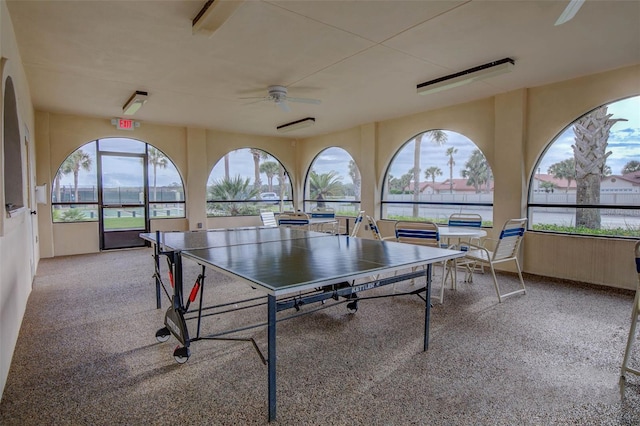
[{"x": 122, "y": 199}]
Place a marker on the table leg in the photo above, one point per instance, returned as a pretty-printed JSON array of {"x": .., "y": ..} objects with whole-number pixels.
[
  {"x": 427, "y": 309},
  {"x": 156, "y": 259},
  {"x": 271, "y": 355}
]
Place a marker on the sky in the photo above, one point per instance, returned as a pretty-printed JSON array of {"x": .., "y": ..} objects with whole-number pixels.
[
  {"x": 624, "y": 138},
  {"x": 624, "y": 142}
]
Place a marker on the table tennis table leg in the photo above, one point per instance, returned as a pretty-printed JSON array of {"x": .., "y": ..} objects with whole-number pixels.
[
  {"x": 427, "y": 309},
  {"x": 271, "y": 355},
  {"x": 156, "y": 259}
]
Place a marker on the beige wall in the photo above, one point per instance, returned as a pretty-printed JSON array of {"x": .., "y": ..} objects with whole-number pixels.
[
  {"x": 512, "y": 129},
  {"x": 19, "y": 239}
]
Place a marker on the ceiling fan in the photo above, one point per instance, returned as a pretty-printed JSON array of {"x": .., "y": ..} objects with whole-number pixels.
[
  {"x": 279, "y": 96},
  {"x": 570, "y": 11}
]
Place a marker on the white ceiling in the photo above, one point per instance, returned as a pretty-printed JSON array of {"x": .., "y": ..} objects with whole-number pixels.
[{"x": 363, "y": 58}]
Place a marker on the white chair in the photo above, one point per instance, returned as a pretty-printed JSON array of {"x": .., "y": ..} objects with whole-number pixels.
[
  {"x": 466, "y": 220},
  {"x": 506, "y": 250},
  {"x": 635, "y": 318},
  {"x": 356, "y": 224},
  {"x": 375, "y": 231},
  {"x": 268, "y": 219},
  {"x": 326, "y": 218},
  {"x": 425, "y": 234},
  {"x": 294, "y": 220}
]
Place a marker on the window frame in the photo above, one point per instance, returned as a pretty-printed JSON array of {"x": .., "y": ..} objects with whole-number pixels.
[
  {"x": 308, "y": 202},
  {"x": 532, "y": 205},
  {"x": 385, "y": 203},
  {"x": 253, "y": 204}
]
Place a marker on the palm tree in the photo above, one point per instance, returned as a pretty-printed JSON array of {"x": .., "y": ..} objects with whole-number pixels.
[
  {"x": 226, "y": 166},
  {"x": 76, "y": 161},
  {"x": 449, "y": 153},
  {"x": 476, "y": 170},
  {"x": 257, "y": 154},
  {"x": 282, "y": 178},
  {"x": 439, "y": 137},
  {"x": 232, "y": 190},
  {"x": 431, "y": 173},
  {"x": 591, "y": 137},
  {"x": 271, "y": 169},
  {"x": 63, "y": 170},
  {"x": 323, "y": 185},
  {"x": 354, "y": 172},
  {"x": 565, "y": 169},
  {"x": 156, "y": 159},
  {"x": 631, "y": 166}
]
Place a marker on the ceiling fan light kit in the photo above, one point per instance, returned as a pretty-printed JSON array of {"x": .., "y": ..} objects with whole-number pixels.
[
  {"x": 296, "y": 125},
  {"x": 135, "y": 102},
  {"x": 478, "y": 73}
]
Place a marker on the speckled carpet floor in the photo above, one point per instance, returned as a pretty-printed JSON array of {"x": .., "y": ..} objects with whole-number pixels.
[{"x": 87, "y": 355}]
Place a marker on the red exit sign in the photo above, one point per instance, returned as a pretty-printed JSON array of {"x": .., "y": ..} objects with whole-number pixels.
[{"x": 124, "y": 124}]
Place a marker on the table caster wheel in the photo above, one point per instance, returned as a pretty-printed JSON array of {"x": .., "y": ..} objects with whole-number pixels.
[
  {"x": 353, "y": 306},
  {"x": 163, "y": 334},
  {"x": 181, "y": 354}
]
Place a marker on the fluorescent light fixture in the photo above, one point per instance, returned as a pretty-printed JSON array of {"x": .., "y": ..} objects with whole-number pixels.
[
  {"x": 569, "y": 12},
  {"x": 481, "y": 72},
  {"x": 134, "y": 103},
  {"x": 213, "y": 14},
  {"x": 296, "y": 125}
]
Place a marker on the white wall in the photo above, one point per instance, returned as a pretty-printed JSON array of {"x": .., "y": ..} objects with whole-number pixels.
[{"x": 19, "y": 251}]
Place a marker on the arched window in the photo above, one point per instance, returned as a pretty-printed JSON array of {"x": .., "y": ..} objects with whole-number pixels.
[
  {"x": 81, "y": 183},
  {"x": 435, "y": 174},
  {"x": 13, "y": 186},
  {"x": 246, "y": 181},
  {"x": 587, "y": 181},
  {"x": 333, "y": 181}
]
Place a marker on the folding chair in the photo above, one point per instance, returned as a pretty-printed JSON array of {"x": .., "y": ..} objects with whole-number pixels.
[
  {"x": 635, "y": 318},
  {"x": 328, "y": 215},
  {"x": 356, "y": 224},
  {"x": 506, "y": 250},
  {"x": 268, "y": 219},
  {"x": 294, "y": 220},
  {"x": 470, "y": 220},
  {"x": 425, "y": 234},
  {"x": 375, "y": 231}
]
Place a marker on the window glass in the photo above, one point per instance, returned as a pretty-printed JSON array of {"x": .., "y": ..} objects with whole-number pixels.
[
  {"x": 76, "y": 179},
  {"x": 246, "y": 181},
  {"x": 435, "y": 174},
  {"x": 74, "y": 193},
  {"x": 588, "y": 179},
  {"x": 333, "y": 182},
  {"x": 122, "y": 145},
  {"x": 165, "y": 183}
]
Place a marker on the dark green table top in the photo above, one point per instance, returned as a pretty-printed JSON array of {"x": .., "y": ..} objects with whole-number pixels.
[{"x": 295, "y": 264}]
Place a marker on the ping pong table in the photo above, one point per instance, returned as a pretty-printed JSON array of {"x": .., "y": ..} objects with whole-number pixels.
[{"x": 294, "y": 268}]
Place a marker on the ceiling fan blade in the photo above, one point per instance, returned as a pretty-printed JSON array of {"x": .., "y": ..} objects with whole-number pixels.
[
  {"x": 305, "y": 100},
  {"x": 570, "y": 11},
  {"x": 283, "y": 105}
]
